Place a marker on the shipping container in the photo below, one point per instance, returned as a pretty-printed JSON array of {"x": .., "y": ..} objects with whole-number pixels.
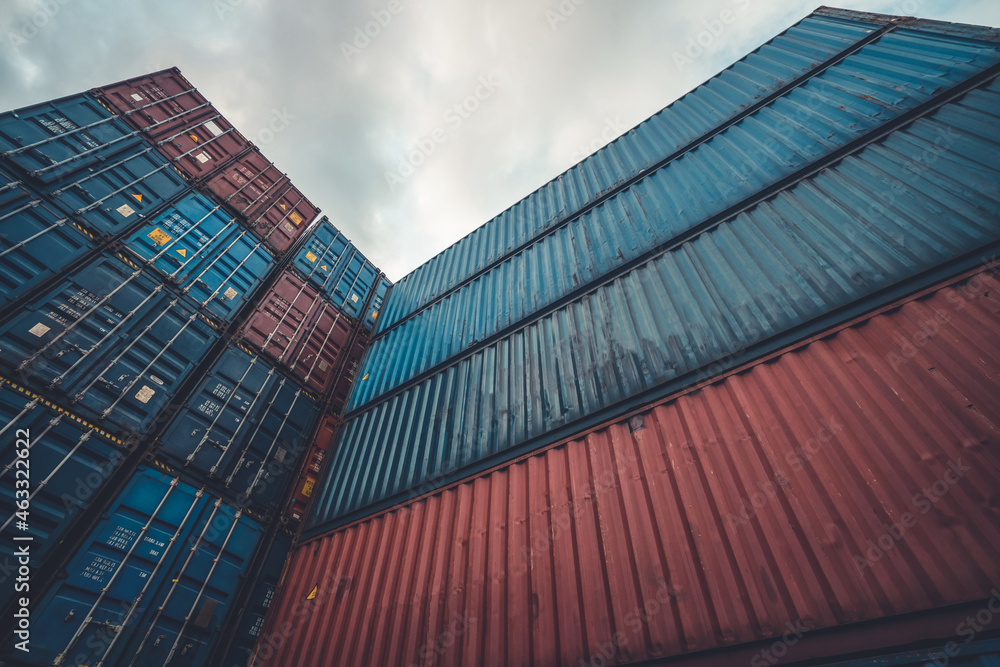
[
  {"x": 378, "y": 298},
  {"x": 889, "y": 219},
  {"x": 966, "y": 652},
  {"x": 680, "y": 199},
  {"x": 109, "y": 198},
  {"x": 245, "y": 427},
  {"x": 50, "y": 141},
  {"x": 151, "y": 584},
  {"x": 36, "y": 241},
  {"x": 264, "y": 589},
  {"x": 207, "y": 253},
  {"x": 884, "y": 73},
  {"x": 177, "y": 119},
  {"x": 108, "y": 340},
  {"x": 348, "y": 376},
  {"x": 66, "y": 464},
  {"x": 848, "y": 479},
  {"x": 273, "y": 208},
  {"x": 300, "y": 330},
  {"x": 335, "y": 267},
  {"x": 309, "y": 471}
]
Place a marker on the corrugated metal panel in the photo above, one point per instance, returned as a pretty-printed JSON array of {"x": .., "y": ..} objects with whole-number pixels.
[
  {"x": 110, "y": 197},
  {"x": 36, "y": 242},
  {"x": 337, "y": 268},
  {"x": 300, "y": 330},
  {"x": 381, "y": 290},
  {"x": 961, "y": 654},
  {"x": 109, "y": 340},
  {"x": 153, "y": 582},
  {"x": 177, "y": 119},
  {"x": 881, "y": 81},
  {"x": 260, "y": 600},
  {"x": 51, "y": 140},
  {"x": 876, "y": 221},
  {"x": 68, "y": 462},
  {"x": 244, "y": 427},
  {"x": 771, "y": 496},
  {"x": 272, "y": 207},
  {"x": 213, "y": 258},
  {"x": 347, "y": 377},
  {"x": 793, "y": 53},
  {"x": 857, "y": 93}
]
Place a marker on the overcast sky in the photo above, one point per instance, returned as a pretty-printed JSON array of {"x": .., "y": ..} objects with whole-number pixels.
[{"x": 369, "y": 130}]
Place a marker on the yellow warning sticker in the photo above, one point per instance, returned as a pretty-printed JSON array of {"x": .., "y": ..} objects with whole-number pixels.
[
  {"x": 296, "y": 218},
  {"x": 194, "y": 138},
  {"x": 324, "y": 267},
  {"x": 307, "y": 488},
  {"x": 311, "y": 257},
  {"x": 138, "y": 198},
  {"x": 365, "y": 377},
  {"x": 182, "y": 252},
  {"x": 313, "y": 592},
  {"x": 283, "y": 207},
  {"x": 159, "y": 237}
]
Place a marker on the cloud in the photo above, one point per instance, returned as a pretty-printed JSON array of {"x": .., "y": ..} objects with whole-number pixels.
[{"x": 358, "y": 116}]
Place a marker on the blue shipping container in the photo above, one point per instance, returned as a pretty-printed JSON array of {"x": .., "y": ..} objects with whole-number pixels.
[
  {"x": 246, "y": 425},
  {"x": 962, "y": 652},
  {"x": 253, "y": 614},
  {"x": 833, "y": 105},
  {"x": 878, "y": 83},
  {"x": 51, "y": 140},
  {"x": 68, "y": 462},
  {"x": 381, "y": 289},
  {"x": 112, "y": 196},
  {"x": 108, "y": 339},
  {"x": 336, "y": 268},
  {"x": 36, "y": 242},
  {"x": 900, "y": 214},
  {"x": 213, "y": 258},
  {"x": 152, "y": 583}
]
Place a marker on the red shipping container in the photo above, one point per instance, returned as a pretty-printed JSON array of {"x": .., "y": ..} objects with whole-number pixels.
[
  {"x": 312, "y": 463},
  {"x": 829, "y": 489},
  {"x": 342, "y": 390},
  {"x": 301, "y": 330},
  {"x": 273, "y": 209},
  {"x": 177, "y": 119}
]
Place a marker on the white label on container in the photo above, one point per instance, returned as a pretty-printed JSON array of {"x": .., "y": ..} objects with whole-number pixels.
[
  {"x": 323, "y": 366},
  {"x": 230, "y": 293},
  {"x": 203, "y": 157},
  {"x": 137, "y": 97},
  {"x": 125, "y": 210},
  {"x": 213, "y": 128},
  {"x": 354, "y": 298},
  {"x": 153, "y": 378},
  {"x": 39, "y": 330},
  {"x": 279, "y": 455},
  {"x": 144, "y": 394}
]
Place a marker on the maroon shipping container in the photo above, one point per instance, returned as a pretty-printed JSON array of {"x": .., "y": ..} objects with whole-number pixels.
[
  {"x": 177, "y": 119},
  {"x": 298, "y": 328},
  {"x": 342, "y": 390},
  {"x": 312, "y": 463},
  {"x": 850, "y": 479},
  {"x": 272, "y": 207}
]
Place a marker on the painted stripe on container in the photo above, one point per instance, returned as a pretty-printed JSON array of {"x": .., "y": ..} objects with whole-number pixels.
[
  {"x": 796, "y": 263},
  {"x": 780, "y": 61},
  {"x": 894, "y": 75},
  {"x": 851, "y": 478}
]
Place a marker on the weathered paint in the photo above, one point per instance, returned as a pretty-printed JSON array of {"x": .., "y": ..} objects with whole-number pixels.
[
  {"x": 853, "y": 235},
  {"x": 848, "y": 479}
]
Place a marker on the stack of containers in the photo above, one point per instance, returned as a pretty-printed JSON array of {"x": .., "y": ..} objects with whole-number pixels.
[
  {"x": 140, "y": 230},
  {"x": 549, "y": 437}
]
